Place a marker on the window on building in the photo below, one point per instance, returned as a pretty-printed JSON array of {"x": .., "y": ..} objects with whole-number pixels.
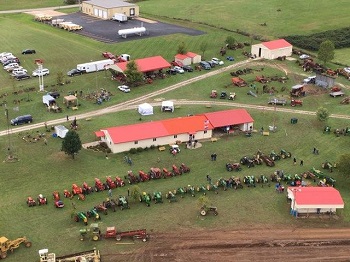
[
  {"x": 175, "y": 136},
  {"x": 154, "y": 139},
  {"x": 205, "y": 131},
  {"x": 136, "y": 142}
]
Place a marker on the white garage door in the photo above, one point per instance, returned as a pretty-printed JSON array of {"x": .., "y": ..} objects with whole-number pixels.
[
  {"x": 95, "y": 12},
  {"x": 99, "y": 13},
  {"x": 104, "y": 14}
]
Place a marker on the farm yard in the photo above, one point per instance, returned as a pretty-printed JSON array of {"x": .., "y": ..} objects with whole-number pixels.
[{"x": 253, "y": 223}]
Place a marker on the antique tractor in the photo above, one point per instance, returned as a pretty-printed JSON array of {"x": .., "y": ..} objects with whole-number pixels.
[
  {"x": 267, "y": 160},
  {"x": 236, "y": 182},
  {"x": 181, "y": 191},
  {"x": 296, "y": 102},
  {"x": 99, "y": 186},
  {"x": 263, "y": 179},
  {"x": 176, "y": 170},
  {"x": 327, "y": 130},
  {"x": 247, "y": 161},
  {"x": 146, "y": 198},
  {"x": 110, "y": 184},
  {"x": 155, "y": 173},
  {"x": 143, "y": 176},
  {"x": 274, "y": 156},
  {"x": 206, "y": 209},
  {"x": 232, "y": 96},
  {"x": 213, "y": 94},
  {"x": 100, "y": 208},
  {"x": 166, "y": 173},
  {"x": 202, "y": 189},
  {"x": 222, "y": 183},
  {"x": 9, "y": 245},
  {"x": 132, "y": 179},
  {"x": 42, "y": 200},
  {"x": 171, "y": 197},
  {"x": 233, "y": 166},
  {"x": 284, "y": 154},
  {"x": 87, "y": 189},
  {"x": 328, "y": 165},
  {"x": 93, "y": 213},
  {"x": 31, "y": 202},
  {"x": 110, "y": 203},
  {"x": 249, "y": 181},
  {"x": 212, "y": 187},
  {"x": 80, "y": 216},
  {"x": 119, "y": 182},
  {"x": 157, "y": 197},
  {"x": 190, "y": 190},
  {"x": 184, "y": 168},
  {"x": 67, "y": 194},
  {"x": 76, "y": 190},
  {"x": 123, "y": 202}
]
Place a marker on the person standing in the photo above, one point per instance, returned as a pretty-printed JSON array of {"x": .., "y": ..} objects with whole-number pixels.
[
  {"x": 301, "y": 162},
  {"x": 67, "y": 118},
  {"x": 294, "y": 161},
  {"x": 110, "y": 193}
]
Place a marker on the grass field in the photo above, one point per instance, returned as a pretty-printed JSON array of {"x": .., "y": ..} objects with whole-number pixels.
[{"x": 43, "y": 169}]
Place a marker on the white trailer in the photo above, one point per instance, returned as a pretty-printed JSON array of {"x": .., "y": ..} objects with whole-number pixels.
[
  {"x": 61, "y": 131},
  {"x": 48, "y": 100},
  {"x": 132, "y": 31},
  {"x": 120, "y": 17},
  {"x": 95, "y": 66}
]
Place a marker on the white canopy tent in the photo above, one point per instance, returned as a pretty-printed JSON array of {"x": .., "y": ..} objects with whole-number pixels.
[
  {"x": 167, "y": 106},
  {"x": 145, "y": 109}
]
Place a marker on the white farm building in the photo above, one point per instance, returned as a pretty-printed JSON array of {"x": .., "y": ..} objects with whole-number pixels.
[{"x": 272, "y": 49}]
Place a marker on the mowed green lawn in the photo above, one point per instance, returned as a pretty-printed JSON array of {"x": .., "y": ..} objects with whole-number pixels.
[{"x": 23, "y": 4}]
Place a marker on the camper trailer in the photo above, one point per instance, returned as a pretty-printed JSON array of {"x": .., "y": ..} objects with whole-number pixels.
[
  {"x": 121, "y": 18},
  {"x": 95, "y": 66}
]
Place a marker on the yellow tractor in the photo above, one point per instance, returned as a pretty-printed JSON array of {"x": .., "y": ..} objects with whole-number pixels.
[{"x": 9, "y": 245}]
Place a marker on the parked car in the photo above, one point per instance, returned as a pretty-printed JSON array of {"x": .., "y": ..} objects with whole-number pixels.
[
  {"x": 205, "y": 65},
  {"x": 217, "y": 61},
  {"x": 28, "y": 51},
  {"x": 22, "y": 77},
  {"x": 124, "y": 88},
  {"x": 42, "y": 72},
  {"x": 179, "y": 69},
  {"x": 14, "y": 68},
  {"x": 304, "y": 56},
  {"x": 230, "y": 58},
  {"x": 6, "y": 58},
  {"x": 25, "y": 119},
  {"x": 12, "y": 65},
  {"x": 310, "y": 80},
  {"x": 108, "y": 55},
  {"x": 171, "y": 71},
  {"x": 187, "y": 68},
  {"x": 10, "y": 61},
  {"x": 211, "y": 63},
  {"x": 19, "y": 71},
  {"x": 176, "y": 63},
  {"x": 74, "y": 72}
]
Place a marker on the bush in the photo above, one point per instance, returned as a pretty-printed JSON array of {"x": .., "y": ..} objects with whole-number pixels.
[
  {"x": 139, "y": 149},
  {"x": 132, "y": 151}
]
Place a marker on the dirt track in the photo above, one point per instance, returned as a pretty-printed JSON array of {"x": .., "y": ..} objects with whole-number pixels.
[{"x": 243, "y": 245}]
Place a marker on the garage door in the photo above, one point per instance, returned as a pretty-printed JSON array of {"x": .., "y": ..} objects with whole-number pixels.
[
  {"x": 99, "y": 13},
  {"x": 104, "y": 14},
  {"x": 95, "y": 12}
]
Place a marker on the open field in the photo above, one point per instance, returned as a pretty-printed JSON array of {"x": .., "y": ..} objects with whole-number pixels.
[{"x": 43, "y": 169}]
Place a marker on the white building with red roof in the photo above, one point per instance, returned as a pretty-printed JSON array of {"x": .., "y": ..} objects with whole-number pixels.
[
  {"x": 169, "y": 131},
  {"x": 188, "y": 58},
  {"x": 272, "y": 49},
  {"x": 311, "y": 200}
]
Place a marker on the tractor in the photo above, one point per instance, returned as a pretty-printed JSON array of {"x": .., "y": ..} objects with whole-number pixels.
[
  {"x": 67, "y": 194},
  {"x": 191, "y": 190},
  {"x": 176, "y": 170},
  {"x": 232, "y": 96},
  {"x": 327, "y": 130},
  {"x": 123, "y": 202},
  {"x": 80, "y": 216},
  {"x": 157, "y": 197},
  {"x": 166, "y": 173},
  {"x": 31, "y": 202},
  {"x": 110, "y": 203},
  {"x": 223, "y": 95},
  {"x": 145, "y": 197},
  {"x": 119, "y": 182},
  {"x": 10, "y": 245},
  {"x": 234, "y": 166},
  {"x": 181, "y": 191},
  {"x": 268, "y": 161},
  {"x": 274, "y": 156},
  {"x": 201, "y": 188},
  {"x": 99, "y": 186},
  {"x": 94, "y": 231},
  {"x": 213, "y": 94},
  {"x": 247, "y": 161},
  {"x": 42, "y": 200},
  {"x": 100, "y": 208},
  {"x": 93, "y": 213},
  {"x": 184, "y": 168},
  {"x": 328, "y": 165},
  {"x": 296, "y": 102},
  {"x": 235, "y": 182},
  {"x": 143, "y": 176},
  {"x": 155, "y": 173},
  {"x": 263, "y": 179},
  {"x": 171, "y": 197},
  {"x": 58, "y": 203},
  {"x": 249, "y": 181},
  {"x": 212, "y": 187},
  {"x": 76, "y": 190},
  {"x": 132, "y": 179},
  {"x": 87, "y": 189},
  {"x": 284, "y": 154},
  {"x": 222, "y": 183},
  {"x": 110, "y": 183},
  {"x": 206, "y": 209}
]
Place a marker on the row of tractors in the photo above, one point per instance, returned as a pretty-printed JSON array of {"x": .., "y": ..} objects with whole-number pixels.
[
  {"x": 259, "y": 158},
  {"x": 337, "y": 131}
]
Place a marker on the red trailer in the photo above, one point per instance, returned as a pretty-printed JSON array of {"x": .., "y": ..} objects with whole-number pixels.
[{"x": 112, "y": 232}]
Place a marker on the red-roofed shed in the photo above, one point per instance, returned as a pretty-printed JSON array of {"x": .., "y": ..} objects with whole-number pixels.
[
  {"x": 188, "y": 58},
  {"x": 144, "y": 65},
  {"x": 308, "y": 200},
  {"x": 272, "y": 49}
]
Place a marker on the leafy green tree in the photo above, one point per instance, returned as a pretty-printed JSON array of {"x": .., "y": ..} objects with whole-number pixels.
[
  {"x": 182, "y": 49},
  {"x": 326, "y": 51},
  {"x": 60, "y": 78},
  {"x": 71, "y": 144},
  {"x": 343, "y": 164},
  {"x": 135, "y": 192},
  {"x": 322, "y": 114},
  {"x": 133, "y": 76},
  {"x": 230, "y": 42},
  {"x": 203, "y": 47}
]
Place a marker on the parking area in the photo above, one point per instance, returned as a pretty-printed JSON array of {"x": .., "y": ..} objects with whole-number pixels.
[{"x": 107, "y": 31}]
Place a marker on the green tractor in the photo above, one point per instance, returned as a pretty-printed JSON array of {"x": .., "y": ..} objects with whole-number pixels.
[
  {"x": 222, "y": 183},
  {"x": 94, "y": 214},
  {"x": 171, "y": 197},
  {"x": 180, "y": 191},
  {"x": 274, "y": 156},
  {"x": 212, "y": 187},
  {"x": 318, "y": 173},
  {"x": 145, "y": 197},
  {"x": 201, "y": 188},
  {"x": 80, "y": 216},
  {"x": 122, "y": 202},
  {"x": 157, "y": 197},
  {"x": 94, "y": 231},
  {"x": 284, "y": 154},
  {"x": 191, "y": 190},
  {"x": 206, "y": 209}
]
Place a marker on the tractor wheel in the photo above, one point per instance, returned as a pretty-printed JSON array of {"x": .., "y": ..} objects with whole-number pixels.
[
  {"x": 95, "y": 237},
  {"x": 289, "y": 154},
  {"x": 28, "y": 244},
  {"x": 203, "y": 212},
  {"x": 3, "y": 255},
  {"x": 216, "y": 213},
  {"x": 118, "y": 237},
  {"x": 283, "y": 156}
]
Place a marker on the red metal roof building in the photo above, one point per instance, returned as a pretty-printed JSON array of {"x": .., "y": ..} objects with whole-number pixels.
[
  {"x": 272, "y": 49},
  {"x": 314, "y": 200},
  {"x": 188, "y": 58},
  {"x": 168, "y": 131}
]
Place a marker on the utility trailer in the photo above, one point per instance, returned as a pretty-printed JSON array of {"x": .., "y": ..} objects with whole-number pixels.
[{"x": 111, "y": 232}]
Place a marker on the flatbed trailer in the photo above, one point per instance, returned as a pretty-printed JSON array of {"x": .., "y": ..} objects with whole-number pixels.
[
  {"x": 90, "y": 255},
  {"x": 111, "y": 232}
]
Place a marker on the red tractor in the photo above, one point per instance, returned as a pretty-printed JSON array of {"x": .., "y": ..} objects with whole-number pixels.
[
  {"x": 213, "y": 94},
  {"x": 335, "y": 89},
  {"x": 155, "y": 173},
  {"x": 99, "y": 186},
  {"x": 166, "y": 173},
  {"x": 132, "y": 179},
  {"x": 87, "y": 189},
  {"x": 76, "y": 190},
  {"x": 184, "y": 168},
  {"x": 42, "y": 200},
  {"x": 119, "y": 182},
  {"x": 110, "y": 183},
  {"x": 58, "y": 203},
  {"x": 31, "y": 202},
  {"x": 67, "y": 194},
  {"x": 295, "y": 102},
  {"x": 143, "y": 176},
  {"x": 176, "y": 170}
]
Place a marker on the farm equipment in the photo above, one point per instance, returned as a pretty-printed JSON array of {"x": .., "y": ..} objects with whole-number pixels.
[
  {"x": 166, "y": 173},
  {"x": 157, "y": 197},
  {"x": 267, "y": 160},
  {"x": 101, "y": 208},
  {"x": 93, "y": 213},
  {"x": 31, "y": 202},
  {"x": 90, "y": 255},
  {"x": 213, "y": 94},
  {"x": 201, "y": 188},
  {"x": 119, "y": 182},
  {"x": 249, "y": 181},
  {"x": 80, "y": 216},
  {"x": 233, "y": 166},
  {"x": 181, "y": 191},
  {"x": 10, "y": 245},
  {"x": 42, "y": 200},
  {"x": 87, "y": 189},
  {"x": 235, "y": 182},
  {"x": 222, "y": 183},
  {"x": 145, "y": 197},
  {"x": 223, "y": 95},
  {"x": 76, "y": 190},
  {"x": 190, "y": 189},
  {"x": 263, "y": 179},
  {"x": 277, "y": 101},
  {"x": 345, "y": 101},
  {"x": 176, "y": 170},
  {"x": 297, "y": 91},
  {"x": 143, "y": 176},
  {"x": 58, "y": 203},
  {"x": 212, "y": 187},
  {"x": 232, "y": 96},
  {"x": 132, "y": 179},
  {"x": 274, "y": 156},
  {"x": 171, "y": 197},
  {"x": 155, "y": 173},
  {"x": 262, "y": 79},
  {"x": 205, "y": 210},
  {"x": 110, "y": 183},
  {"x": 318, "y": 173},
  {"x": 247, "y": 161},
  {"x": 237, "y": 81},
  {"x": 328, "y": 165},
  {"x": 110, "y": 203},
  {"x": 123, "y": 202},
  {"x": 67, "y": 194},
  {"x": 111, "y": 232},
  {"x": 284, "y": 154},
  {"x": 296, "y": 102},
  {"x": 99, "y": 186},
  {"x": 184, "y": 168},
  {"x": 94, "y": 231},
  {"x": 327, "y": 130}
]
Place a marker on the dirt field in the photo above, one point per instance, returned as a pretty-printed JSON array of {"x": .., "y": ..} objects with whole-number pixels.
[{"x": 243, "y": 245}]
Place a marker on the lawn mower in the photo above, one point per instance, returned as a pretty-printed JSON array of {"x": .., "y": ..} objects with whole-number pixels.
[
  {"x": 204, "y": 210},
  {"x": 145, "y": 197},
  {"x": 157, "y": 197},
  {"x": 171, "y": 197},
  {"x": 31, "y": 202},
  {"x": 123, "y": 203},
  {"x": 42, "y": 200},
  {"x": 184, "y": 168}
]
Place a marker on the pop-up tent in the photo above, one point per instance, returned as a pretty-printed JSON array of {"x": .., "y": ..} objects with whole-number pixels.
[
  {"x": 167, "y": 106},
  {"x": 145, "y": 109}
]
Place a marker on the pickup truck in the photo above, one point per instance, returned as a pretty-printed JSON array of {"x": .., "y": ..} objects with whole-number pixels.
[{"x": 277, "y": 101}]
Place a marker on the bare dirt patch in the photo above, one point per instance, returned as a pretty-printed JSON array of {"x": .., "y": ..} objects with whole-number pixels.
[
  {"x": 146, "y": 20},
  {"x": 46, "y": 12},
  {"x": 315, "y": 90}
]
